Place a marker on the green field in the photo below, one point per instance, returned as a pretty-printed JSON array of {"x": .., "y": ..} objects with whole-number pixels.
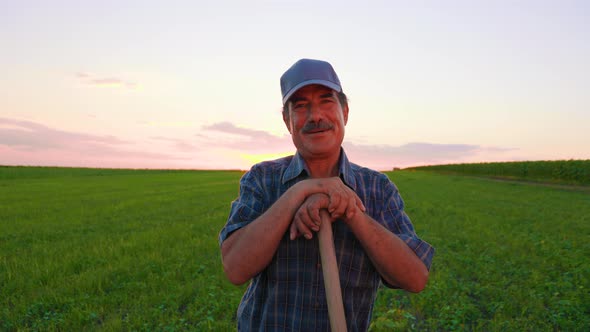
[
  {"x": 572, "y": 172},
  {"x": 84, "y": 249}
]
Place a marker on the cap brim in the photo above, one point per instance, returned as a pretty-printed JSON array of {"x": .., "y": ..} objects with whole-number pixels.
[{"x": 325, "y": 83}]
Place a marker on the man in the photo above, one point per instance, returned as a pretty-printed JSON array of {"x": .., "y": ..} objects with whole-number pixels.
[{"x": 269, "y": 236}]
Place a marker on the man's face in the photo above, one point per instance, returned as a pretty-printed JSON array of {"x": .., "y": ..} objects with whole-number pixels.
[{"x": 316, "y": 121}]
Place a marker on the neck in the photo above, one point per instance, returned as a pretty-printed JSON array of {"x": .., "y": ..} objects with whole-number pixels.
[{"x": 323, "y": 167}]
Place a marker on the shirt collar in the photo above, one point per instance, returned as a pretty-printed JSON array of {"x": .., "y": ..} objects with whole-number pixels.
[
  {"x": 345, "y": 170},
  {"x": 297, "y": 166}
]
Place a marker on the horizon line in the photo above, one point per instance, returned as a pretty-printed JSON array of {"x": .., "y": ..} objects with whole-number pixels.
[{"x": 245, "y": 170}]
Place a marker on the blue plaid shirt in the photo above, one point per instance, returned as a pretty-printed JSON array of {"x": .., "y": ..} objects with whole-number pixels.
[{"x": 289, "y": 294}]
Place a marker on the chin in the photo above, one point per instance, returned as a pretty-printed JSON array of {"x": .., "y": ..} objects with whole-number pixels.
[{"x": 328, "y": 151}]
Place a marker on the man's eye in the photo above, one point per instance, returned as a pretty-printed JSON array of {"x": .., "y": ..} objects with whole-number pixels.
[{"x": 298, "y": 105}]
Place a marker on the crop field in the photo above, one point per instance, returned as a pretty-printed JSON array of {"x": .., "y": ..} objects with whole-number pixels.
[
  {"x": 137, "y": 250},
  {"x": 576, "y": 172}
]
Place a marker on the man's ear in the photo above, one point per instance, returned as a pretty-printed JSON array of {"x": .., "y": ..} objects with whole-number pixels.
[
  {"x": 287, "y": 120},
  {"x": 345, "y": 114}
]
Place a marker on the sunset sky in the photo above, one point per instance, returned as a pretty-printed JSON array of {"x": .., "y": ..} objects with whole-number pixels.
[{"x": 195, "y": 84}]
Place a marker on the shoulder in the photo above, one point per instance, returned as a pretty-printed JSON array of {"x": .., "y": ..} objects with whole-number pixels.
[
  {"x": 272, "y": 166},
  {"x": 267, "y": 170},
  {"x": 368, "y": 175},
  {"x": 372, "y": 184}
]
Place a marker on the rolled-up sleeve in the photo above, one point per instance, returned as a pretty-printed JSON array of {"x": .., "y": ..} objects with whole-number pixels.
[
  {"x": 248, "y": 206},
  {"x": 397, "y": 221}
]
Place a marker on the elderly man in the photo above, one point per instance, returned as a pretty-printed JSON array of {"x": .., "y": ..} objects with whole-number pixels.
[{"x": 269, "y": 235}]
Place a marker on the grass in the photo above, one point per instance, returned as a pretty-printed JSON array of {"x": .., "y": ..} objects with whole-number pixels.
[
  {"x": 510, "y": 256},
  {"x": 115, "y": 251},
  {"x": 85, "y": 249},
  {"x": 569, "y": 172}
]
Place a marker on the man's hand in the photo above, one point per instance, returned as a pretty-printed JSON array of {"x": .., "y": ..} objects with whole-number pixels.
[
  {"x": 307, "y": 218},
  {"x": 343, "y": 201},
  {"x": 330, "y": 194}
]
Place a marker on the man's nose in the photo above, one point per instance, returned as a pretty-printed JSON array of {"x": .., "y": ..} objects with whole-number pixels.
[{"x": 315, "y": 112}]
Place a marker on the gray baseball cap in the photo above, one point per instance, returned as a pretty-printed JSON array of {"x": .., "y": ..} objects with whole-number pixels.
[{"x": 306, "y": 72}]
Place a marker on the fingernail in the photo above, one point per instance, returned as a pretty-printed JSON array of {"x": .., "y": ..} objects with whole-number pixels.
[{"x": 308, "y": 236}]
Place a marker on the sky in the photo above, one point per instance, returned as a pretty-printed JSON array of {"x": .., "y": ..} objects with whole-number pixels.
[{"x": 195, "y": 84}]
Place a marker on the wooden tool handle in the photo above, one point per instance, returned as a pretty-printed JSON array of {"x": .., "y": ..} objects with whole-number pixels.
[{"x": 331, "y": 276}]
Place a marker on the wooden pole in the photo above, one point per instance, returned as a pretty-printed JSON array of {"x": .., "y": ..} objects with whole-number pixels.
[{"x": 331, "y": 276}]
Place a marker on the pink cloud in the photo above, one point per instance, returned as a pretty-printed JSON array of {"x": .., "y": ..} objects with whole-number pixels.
[
  {"x": 220, "y": 145},
  {"x": 30, "y": 143},
  {"x": 179, "y": 144},
  {"x": 106, "y": 81},
  {"x": 386, "y": 157},
  {"x": 89, "y": 79},
  {"x": 376, "y": 156},
  {"x": 33, "y": 136},
  {"x": 244, "y": 139}
]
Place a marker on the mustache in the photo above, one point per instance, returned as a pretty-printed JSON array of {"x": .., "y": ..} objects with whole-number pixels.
[{"x": 314, "y": 126}]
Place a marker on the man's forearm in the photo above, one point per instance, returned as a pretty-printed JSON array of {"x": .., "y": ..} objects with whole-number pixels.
[
  {"x": 391, "y": 256},
  {"x": 250, "y": 249}
]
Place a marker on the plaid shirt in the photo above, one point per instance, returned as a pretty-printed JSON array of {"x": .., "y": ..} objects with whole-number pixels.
[{"x": 289, "y": 294}]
